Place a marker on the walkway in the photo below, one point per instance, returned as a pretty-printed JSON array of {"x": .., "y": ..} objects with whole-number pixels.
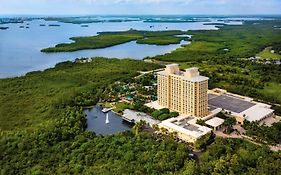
[
  {"x": 135, "y": 117},
  {"x": 234, "y": 135},
  {"x": 148, "y": 72}
]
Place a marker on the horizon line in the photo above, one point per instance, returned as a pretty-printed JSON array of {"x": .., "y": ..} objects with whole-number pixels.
[{"x": 273, "y": 14}]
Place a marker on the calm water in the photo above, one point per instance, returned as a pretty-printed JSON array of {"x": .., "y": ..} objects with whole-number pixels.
[
  {"x": 20, "y": 47},
  {"x": 96, "y": 122}
]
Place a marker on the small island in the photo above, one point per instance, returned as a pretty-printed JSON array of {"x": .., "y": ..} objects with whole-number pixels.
[
  {"x": 107, "y": 39},
  {"x": 215, "y": 24},
  {"x": 4, "y": 28},
  {"x": 54, "y": 25},
  {"x": 86, "y": 20}
]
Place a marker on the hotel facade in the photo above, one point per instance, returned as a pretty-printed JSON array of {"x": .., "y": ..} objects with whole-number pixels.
[{"x": 184, "y": 92}]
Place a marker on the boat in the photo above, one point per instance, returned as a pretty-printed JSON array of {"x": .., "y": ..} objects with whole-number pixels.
[
  {"x": 107, "y": 119},
  {"x": 105, "y": 110}
]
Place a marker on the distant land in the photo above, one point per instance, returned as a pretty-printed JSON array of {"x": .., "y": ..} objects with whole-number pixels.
[{"x": 86, "y": 19}]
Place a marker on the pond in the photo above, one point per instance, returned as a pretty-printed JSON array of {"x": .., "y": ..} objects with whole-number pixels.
[{"x": 96, "y": 122}]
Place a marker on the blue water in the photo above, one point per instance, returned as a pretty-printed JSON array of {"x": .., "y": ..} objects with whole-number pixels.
[
  {"x": 96, "y": 122},
  {"x": 20, "y": 47}
]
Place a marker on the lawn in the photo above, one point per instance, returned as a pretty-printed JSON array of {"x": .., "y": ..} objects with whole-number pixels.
[
  {"x": 272, "y": 91},
  {"x": 121, "y": 106},
  {"x": 267, "y": 54}
]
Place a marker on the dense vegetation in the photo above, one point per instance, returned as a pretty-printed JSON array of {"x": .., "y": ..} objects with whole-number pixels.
[
  {"x": 58, "y": 142},
  {"x": 241, "y": 41},
  {"x": 39, "y": 96},
  {"x": 164, "y": 114},
  {"x": 163, "y": 40},
  {"x": 262, "y": 133},
  {"x": 234, "y": 156},
  {"x": 63, "y": 147},
  {"x": 107, "y": 39},
  {"x": 93, "y": 42}
]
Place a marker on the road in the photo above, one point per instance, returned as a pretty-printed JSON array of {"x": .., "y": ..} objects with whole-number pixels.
[
  {"x": 148, "y": 72},
  {"x": 219, "y": 133}
]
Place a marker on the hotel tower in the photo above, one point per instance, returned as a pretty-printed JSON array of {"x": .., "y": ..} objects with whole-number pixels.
[{"x": 184, "y": 92}]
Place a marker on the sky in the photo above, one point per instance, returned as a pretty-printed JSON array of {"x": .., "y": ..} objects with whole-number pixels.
[{"x": 139, "y": 7}]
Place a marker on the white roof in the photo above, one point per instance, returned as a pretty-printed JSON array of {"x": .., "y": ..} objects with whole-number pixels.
[
  {"x": 162, "y": 73},
  {"x": 256, "y": 113},
  {"x": 168, "y": 65},
  {"x": 138, "y": 116},
  {"x": 201, "y": 131},
  {"x": 154, "y": 105},
  {"x": 196, "y": 79},
  {"x": 215, "y": 122},
  {"x": 181, "y": 75},
  {"x": 193, "y": 68}
]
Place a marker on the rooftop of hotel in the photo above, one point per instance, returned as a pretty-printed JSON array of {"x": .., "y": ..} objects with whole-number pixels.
[
  {"x": 197, "y": 79},
  {"x": 171, "y": 65},
  {"x": 193, "y": 73},
  {"x": 192, "y": 69}
]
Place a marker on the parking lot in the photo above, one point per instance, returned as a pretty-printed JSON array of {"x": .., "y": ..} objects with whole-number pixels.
[{"x": 229, "y": 103}]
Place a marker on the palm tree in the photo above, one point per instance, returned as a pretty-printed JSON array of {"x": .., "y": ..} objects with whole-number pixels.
[
  {"x": 164, "y": 130},
  {"x": 173, "y": 134},
  {"x": 229, "y": 122},
  {"x": 138, "y": 127},
  {"x": 155, "y": 127}
]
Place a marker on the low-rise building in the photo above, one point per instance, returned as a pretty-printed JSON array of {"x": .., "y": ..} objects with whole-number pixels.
[
  {"x": 135, "y": 117},
  {"x": 215, "y": 123},
  {"x": 185, "y": 128},
  {"x": 242, "y": 108}
]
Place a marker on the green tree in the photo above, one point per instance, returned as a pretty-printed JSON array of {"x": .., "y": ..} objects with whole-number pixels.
[
  {"x": 191, "y": 168},
  {"x": 228, "y": 123},
  {"x": 138, "y": 127}
]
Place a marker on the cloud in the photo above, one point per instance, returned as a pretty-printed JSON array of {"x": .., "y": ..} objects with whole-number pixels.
[{"x": 140, "y": 6}]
